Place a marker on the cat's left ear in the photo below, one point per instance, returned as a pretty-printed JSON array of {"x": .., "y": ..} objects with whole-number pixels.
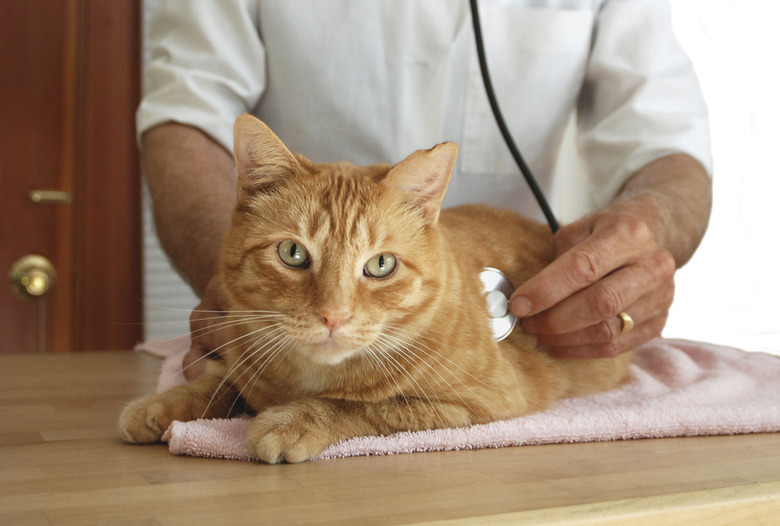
[
  {"x": 423, "y": 178},
  {"x": 262, "y": 159}
]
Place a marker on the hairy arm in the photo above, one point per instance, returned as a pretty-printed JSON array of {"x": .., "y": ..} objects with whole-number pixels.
[
  {"x": 674, "y": 194},
  {"x": 193, "y": 187},
  {"x": 621, "y": 258}
]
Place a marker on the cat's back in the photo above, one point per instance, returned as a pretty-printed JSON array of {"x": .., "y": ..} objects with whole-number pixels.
[{"x": 480, "y": 236}]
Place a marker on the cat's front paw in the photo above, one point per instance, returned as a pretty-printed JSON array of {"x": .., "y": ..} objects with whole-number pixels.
[
  {"x": 290, "y": 433},
  {"x": 144, "y": 421}
]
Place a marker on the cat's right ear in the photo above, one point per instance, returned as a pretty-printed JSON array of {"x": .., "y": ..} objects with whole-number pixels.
[
  {"x": 423, "y": 177},
  {"x": 261, "y": 157}
]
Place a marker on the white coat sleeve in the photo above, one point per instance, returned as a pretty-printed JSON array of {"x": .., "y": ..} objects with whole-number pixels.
[
  {"x": 206, "y": 66},
  {"x": 640, "y": 99}
]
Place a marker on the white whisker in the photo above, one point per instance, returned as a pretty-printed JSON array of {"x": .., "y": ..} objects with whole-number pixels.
[
  {"x": 377, "y": 361},
  {"x": 400, "y": 332},
  {"x": 413, "y": 347},
  {"x": 420, "y": 392},
  {"x": 272, "y": 327},
  {"x": 267, "y": 355}
]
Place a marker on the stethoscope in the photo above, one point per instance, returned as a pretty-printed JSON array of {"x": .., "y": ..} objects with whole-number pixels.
[
  {"x": 498, "y": 289},
  {"x": 496, "y": 286}
]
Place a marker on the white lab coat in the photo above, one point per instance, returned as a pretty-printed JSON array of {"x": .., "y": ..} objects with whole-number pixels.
[{"x": 372, "y": 81}]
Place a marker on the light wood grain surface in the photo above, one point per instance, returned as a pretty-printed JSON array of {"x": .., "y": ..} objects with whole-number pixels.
[{"x": 61, "y": 463}]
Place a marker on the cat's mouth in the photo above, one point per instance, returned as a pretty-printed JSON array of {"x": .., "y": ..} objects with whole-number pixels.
[
  {"x": 336, "y": 347},
  {"x": 325, "y": 347},
  {"x": 328, "y": 352}
]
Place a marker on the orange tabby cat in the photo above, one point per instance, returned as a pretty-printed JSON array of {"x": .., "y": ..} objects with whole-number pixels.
[{"x": 356, "y": 308}]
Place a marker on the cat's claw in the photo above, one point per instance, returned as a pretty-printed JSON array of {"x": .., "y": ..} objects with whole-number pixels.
[
  {"x": 286, "y": 434},
  {"x": 144, "y": 421}
]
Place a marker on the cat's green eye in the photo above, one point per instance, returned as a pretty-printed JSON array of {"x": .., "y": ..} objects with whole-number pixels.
[
  {"x": 293, "y": 254},
  {"x": 380, "y": 266}
]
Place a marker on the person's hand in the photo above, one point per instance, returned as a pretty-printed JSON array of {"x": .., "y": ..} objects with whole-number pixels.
[
  {"x": 206, "y": 322},
  {"x": 607, "y": 263}
]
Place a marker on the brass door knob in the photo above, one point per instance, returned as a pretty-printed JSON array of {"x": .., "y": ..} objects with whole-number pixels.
[{"x": 32, "y": 276}]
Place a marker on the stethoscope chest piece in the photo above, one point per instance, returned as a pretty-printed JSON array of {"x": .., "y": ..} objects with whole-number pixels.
[{"x": 498, "y": 289}]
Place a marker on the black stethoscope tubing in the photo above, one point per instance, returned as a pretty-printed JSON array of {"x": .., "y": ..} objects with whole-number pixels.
[{"x": 524, "y": 169}]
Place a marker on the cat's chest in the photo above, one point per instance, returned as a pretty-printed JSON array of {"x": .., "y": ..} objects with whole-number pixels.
[{"x": 281, "y": 380}]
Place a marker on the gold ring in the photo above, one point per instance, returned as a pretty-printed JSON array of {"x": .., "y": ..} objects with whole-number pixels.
[{"x": 628, "y": 323}]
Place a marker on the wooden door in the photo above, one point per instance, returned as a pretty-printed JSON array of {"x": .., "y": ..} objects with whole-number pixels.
[{"x": 69, "y": 85}]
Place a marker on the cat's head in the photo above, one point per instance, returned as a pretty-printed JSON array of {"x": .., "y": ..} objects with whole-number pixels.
[{"x": 336, "y": 259}]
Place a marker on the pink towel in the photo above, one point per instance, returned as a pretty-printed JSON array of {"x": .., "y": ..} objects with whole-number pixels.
[{"x": 677, "y": 388}]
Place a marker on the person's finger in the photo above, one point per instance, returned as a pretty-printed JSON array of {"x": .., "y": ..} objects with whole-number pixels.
[
  {"x": 653, "y": 305},
  {"x": 207, "y": 331},
  {"x": 573, "y": 271},
  {"x": 194, "y": 363},
  {"x": 611, "y": 245},
  {"x": 651, "y": 279},
  {"x": 639, "y": 335},
  {"x": 205, "y": 324},
  {"x": 573, "y": 234}
]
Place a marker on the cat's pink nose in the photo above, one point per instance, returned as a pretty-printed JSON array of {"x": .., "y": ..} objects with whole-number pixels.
[{"x": 333, "y": 318}]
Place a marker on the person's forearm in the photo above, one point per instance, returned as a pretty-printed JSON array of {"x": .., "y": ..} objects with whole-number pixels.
[
  {"x": 674, "y": 196},
  {"x": 192, "y": 183},
  {"x": 618, "y": 263}
]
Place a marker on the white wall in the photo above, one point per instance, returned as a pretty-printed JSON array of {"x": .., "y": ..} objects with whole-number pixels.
[{"x": 727, "y": 294}]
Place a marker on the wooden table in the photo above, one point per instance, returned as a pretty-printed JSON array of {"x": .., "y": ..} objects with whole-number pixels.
[{"x": 62, "y": 463}]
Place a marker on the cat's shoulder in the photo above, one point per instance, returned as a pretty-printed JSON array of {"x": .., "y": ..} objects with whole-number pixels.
[{"x": 482, "y": 216}]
